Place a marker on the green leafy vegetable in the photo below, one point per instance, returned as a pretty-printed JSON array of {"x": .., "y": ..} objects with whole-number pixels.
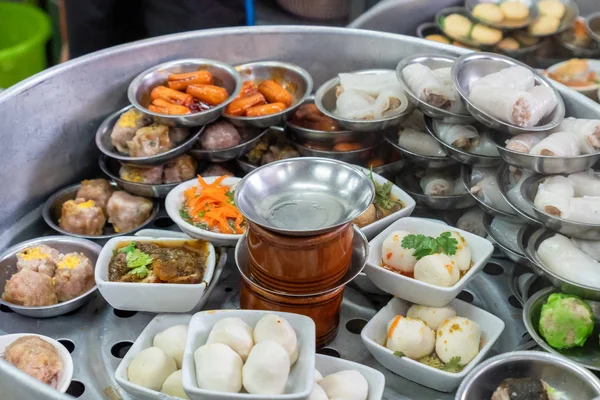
[
  {"x": 442, "y": 22},
  {"x": 399, "y": 354},
  {"x": 427, "y": 245},
  {"x": 470, "y": 34},
  {"x": 137, "y": 260},
  {"x": 453, "y": 365},
  {"x": 383, "y": 194}
]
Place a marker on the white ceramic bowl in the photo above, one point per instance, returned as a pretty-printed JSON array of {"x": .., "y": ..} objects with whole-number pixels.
[
  {"x": 590, "y": 91},
  {"x": 327, "y": 365},
  {"x": 65, "y": 374},
  {"x": 150, "y": 297},
  {"x": 374, "y": 336},
  {"x": 376, "y": 227},
  {"x": 300, "y": 380},
  {"x": 417, "y": 291},
  {"x": 173, "y": 204}
]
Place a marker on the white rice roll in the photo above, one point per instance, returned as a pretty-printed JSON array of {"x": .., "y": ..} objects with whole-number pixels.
[
  {"x": 276, "y": 328},
  {"x": 218, "y": 368},
  {"x": 484, "y": 146},
  {"x": 267, "y": 369},
  {"x": 395, "y": 256},
  {"x": 554, "y": 195},
  {"x": 173, "y": 386},
  {"x": 317, "y": 393},
  {"x": 509, "y": 105},
  {"x": 589, "y": 247},
  {"x": 235, "y": 333},
  {"x": 524, "y": 142},
  {"x": 434, "y": 184},
  {"x": 346, "y": 385},
  {"x": 354, "y": 104},
  {"x": 587, "y": 130},
  {"x": 506, "y": 233},
  {"x": 462, "y": 257},
  {"x": 150, "y": 368},
  {"x": 420, "y": 143},
  {"x": 461, "y": 136},
  {"x": 371, "y": 84},
  {"x": 426, "y": 85},
  {"x": 172, "y": 341},
  {"x": 458, "y": 337},
  {"x": 456, "y": 104},
  {"x": 585, "y": 209},
  {"x": 432, "y": 316},
  {"x": 412, "y": 337},
  {"x": 472, "y": 221},
  {"x": 517, "y": 77},
  {"x": 558, "y": 144},
  {"x": 586, "y": 183},
  {"x": 415, "y": 121},
  {"x": 390, "y": 101},
  {"x": 545, "y": 102},
  {"x": 437, "y": 269}
]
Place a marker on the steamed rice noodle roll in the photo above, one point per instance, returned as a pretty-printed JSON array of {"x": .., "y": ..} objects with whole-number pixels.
[
  {"x": 434, "y": 184},
  {"x": 445, "y": 76},
  {"x": 458, "y": 337},
  {"x": 410, "y": 336},
  {"x": 506, "y": 232},
  {"x": 584, "y": 209},
  {"x": 461, "y": 136},
  {"x": 437, "y": 269},
  {"x": 432, "y": 316},
  {"x": 586, "y": 183},
  {"x": 390, "y": 101},
  {"x": 589, "y": 247},
  {"x": 509, "y": 105},
  {"x": 524, "y": 142},
  {"x": 558, "y": 144},
  {"x": 462, "y": 257},
  {"x": 424, "y": 83},
  {"x": 545, "y": 102},
  {"x": 415, "y": 121},
  {"x": 517, "y": 77},
  {"x": 554, "y": 196},
  {"x": 472, "y": 221},
  {"x": 358, "y": 105},
  {"x": 396, "y": 257},
  {"x": 346, "y": 385},
  {"x": 487, "y": 189},
  {"x": 485, "y": 146},
  {"x": 588, "y": 131},
  {"x": 371, "y": 84},
  {"x": 420, "y": 143}
]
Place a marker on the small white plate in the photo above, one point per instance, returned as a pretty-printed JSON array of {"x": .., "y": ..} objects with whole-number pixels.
[
  {"x": 65, "y": 374},
  {"x": 300, "y": 380},
  {"x": 590, "y": 91},
  {"x": 374, "y": 336},
  {"x": 414, "y": 290},
  {"x": 327, "y": 365}
]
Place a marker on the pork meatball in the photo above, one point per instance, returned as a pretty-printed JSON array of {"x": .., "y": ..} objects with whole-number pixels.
[
  {"x": 220, "y": 135},
  {"x": 41, "y": 259},
  {"x": 215, "y": 170},
  {"x": 35, "y": 357},
  {"x": 82, "y": 217},
  {"x": 98, "y": 190},
  {"x": 29, "y": 288},
  {"x": 74, "y": 276},
  {"x": 150, "y": 141},
  {"x": 149, "y": 175},
  {"x": 180, "y": 169},
  {"x": 127, "y": 212},
  {"x": 178, "y": 135},
  {"x": 124, "y": 130}
]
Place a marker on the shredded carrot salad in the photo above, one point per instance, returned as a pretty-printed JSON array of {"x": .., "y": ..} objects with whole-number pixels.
[{"x": 211, "y": 207}]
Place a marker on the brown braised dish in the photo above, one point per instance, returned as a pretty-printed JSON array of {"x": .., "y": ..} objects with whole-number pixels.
[{"x": 159, "y": 262}]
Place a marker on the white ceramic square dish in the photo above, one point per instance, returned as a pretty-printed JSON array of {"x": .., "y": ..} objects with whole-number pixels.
[
  {"x": 150, "y": 297},
  {"x": 327, "y": 365},
  {"x": 145, "y": 340},
  {"x": 301, "y": 378},
  {"x": 417, "y": 291},
  {"x": 374, "y": 336}
]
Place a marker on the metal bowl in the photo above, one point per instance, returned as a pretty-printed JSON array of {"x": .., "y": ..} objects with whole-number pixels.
[
  {"x": 587, "y": 356},
  {"x": 360, "y": 156},
  {"x": 325, "y": 100},
  {"x": 565, "y": 39},
  {"x": 391, "y": 169},
  {"x": 523, "y": 54},
  {"x": 304, "y": 196},
  {"x": 465, "y": 174},
  {"x": 460, "y": 155},
  {"x": 533, "y": 13},
  {"x": 571, "y": 14},
  {"x": 245, "y": 165},
  {"x": 510, "y": 253},
  {"x": 298, "y": 79},
  {"x": 523, "y": 210},
  {"x": 64, "y": 244},
  {"x": 224, "y": 75},
  {"x": 472, "y": 66},
  {"x": 53, "y": 208},
  {"x": 432, "y": 61},
  {"x": 592, "y": 23},
  {"x": 104, "y": 143},
  {"x": 568, "y": 228},
  {"x": 424, "y": 161},
  {"x": 443, "y": 13},
  {"x": 566, "y": 377},
  {"x": 250, "y": 134},
  {"x": 429, "y": 28}
]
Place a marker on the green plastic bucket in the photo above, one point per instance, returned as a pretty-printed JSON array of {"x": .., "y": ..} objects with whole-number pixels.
[{"x": 24, "y": 31}]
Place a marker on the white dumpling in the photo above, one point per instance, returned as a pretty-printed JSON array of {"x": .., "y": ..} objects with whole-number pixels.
[
  {"x": 395, "y": 256},
  {"x": 410, "y": 336},
  {"x": 267, "y": 368},
  {"x": 317, "y": 393},
  {"x": 218, "y": 368},
  {"x": 235, "y": 333},
  {"x": 172, "y": 341},
  {"x": 346, "y": 385},
  {"x": 318, "y": 375},
  {"x": 150, "y": 368},
  {"x": 276, "y": 328},
  {"x": 173, "y": 386},
  {"x": 437, "y": 269},
  {"x": 458, "y": 337},
  {"x": 432, "y": 316},
  {"x": 462, "y": 257}
]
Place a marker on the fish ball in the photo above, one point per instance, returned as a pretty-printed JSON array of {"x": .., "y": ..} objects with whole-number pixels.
[
  {"x": 267, "y": 368},
  {"x": 278, "y": 329},
  {"x": 318, "y": 375},
  {"x": 346, "y": 385},
  {"x": 173, "y": 386},
  {"x": 458, "y": 337},
  {"x": 432, "y": 316},
  {"x": 489, "y": 12},
  {"x": 172, "y": 342},
  {"x": 410, "y": 336},
  {"x": 150, "y": 368},
  {"x": 514, "y": 10},
  {"x": 218, "y": 368},
  {"x": 317, "y": 393},
  {"x": 235, "y": 333},
  {"x": 438, "y": 270},
  {"x": 395, "y": 256},
  {"x": 462, "y": 257}
]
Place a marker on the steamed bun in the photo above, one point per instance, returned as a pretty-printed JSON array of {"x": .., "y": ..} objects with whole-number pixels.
[
  {"x": 395, "y": 256},
  {"x": 235, "y": 333},
  {"x": 173, "y": 386},
  {"x": 150, "y": 368},
  {"x": 172, "y": 342},
  {"x": 218, "y": 368},
  {"x": 317, "y": 393},
  {"x": 267, "y": 368},
  {"x": 345, "y": 385},
  {"x": 410, "y": 336},
  {"x": 438, "y": 270},
  {"x": 432, "y": 316},
  {"x": 458, "y": 337},
  {"x": 278, "y": 329}
]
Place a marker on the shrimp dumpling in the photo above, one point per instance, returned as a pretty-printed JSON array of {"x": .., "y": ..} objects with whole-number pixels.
[
  {"x": 458, "y": 337},
  {"x": 235, "y": 333},
  {"x": 278, "y": 329},
  {"x": 346, "y": 385},
  {"x": 395, "y": 256},
  {"x": 267, "y": 368},
  {"x": 410, "y": 336},
  {"x": 150, "y": 368},
  {"x": 218, "y": 368},
  {"x": 432, "y": 316},
  {"x": 438, "y": 270},
  {"x": 172, "y": 342},
  {"x": 173, "y": 386},
  {"x": 462, "y": 257}
]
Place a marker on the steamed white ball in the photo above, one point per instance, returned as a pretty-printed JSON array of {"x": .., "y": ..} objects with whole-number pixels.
[
  {"x": 432, "y": 316},
  {"x": 462, "y": 257},
  {"x": 172, "y": 341},
  {"x": 150, "y": 368},
  {"x": 458, "y": 337},
  {"x": 437, "y": 269},
  {"x": 235, "y": 333},
  {"x": 173, "y": 386},
  {"x": 410, "y": 336},
  {"x": 318, "y": 375},
  {"x": 218, "y": 368},
  {"x": 317, "y": 393},
  {"x": 395, "y": 256},
  {"x": 346, "y": 385},
  {"x": 276, "y": 328},
  {"x": 267, "y": 368}
]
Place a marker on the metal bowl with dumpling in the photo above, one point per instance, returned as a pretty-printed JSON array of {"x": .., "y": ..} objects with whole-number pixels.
[
  {"x": 359, "y": 156},
  {"x": 506, "y": 181},
  {"x": 391, "y": 136},
  {"x": 249, "y": 138},
  {"x": 505, "y": 247},
  {"x": 466, "y": 176}
]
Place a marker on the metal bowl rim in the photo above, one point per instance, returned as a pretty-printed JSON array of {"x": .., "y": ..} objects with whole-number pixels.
[
  {"x": 564, "y": 24},
  {"x": 217, "y": 152},
  {"x": 102, "y": 162},
  {"x": 403, "y": 150},
  {"x": 502, "y": 170},
  {"x": 487, "y": 222},
  {"x": 465, "y": 174},
  {"x": 595, "y": 36},
  {"x": 331, "y": 152}
]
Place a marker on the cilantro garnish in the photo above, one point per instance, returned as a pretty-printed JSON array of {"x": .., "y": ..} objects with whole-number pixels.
[
  {"x": 137, "y": 260},
  {"x": 427, "y": 245},
  {"x": 453, "y": 365},
  {"x": 230, "y": 198},
  {"x": 383, "y": 193}
]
